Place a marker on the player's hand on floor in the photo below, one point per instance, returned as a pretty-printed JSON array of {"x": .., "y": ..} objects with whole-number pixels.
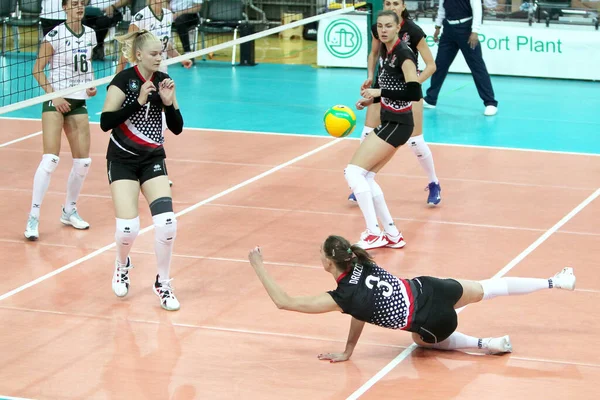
[{"x": 334, "y": 357}]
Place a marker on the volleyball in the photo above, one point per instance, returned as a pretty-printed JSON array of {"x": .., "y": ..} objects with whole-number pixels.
[{"x": 339, "y": 121}]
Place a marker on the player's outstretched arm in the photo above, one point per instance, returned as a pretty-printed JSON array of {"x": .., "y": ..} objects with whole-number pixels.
[{"x": 320, "y": 303}]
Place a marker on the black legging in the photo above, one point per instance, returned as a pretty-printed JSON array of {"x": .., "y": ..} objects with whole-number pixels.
[
  {"x": 183, "y": 24},
  {"x": 101, "y": 23}
]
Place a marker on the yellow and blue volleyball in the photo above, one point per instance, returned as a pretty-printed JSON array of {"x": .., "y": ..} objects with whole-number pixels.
[{"x": 339, "y": 121}]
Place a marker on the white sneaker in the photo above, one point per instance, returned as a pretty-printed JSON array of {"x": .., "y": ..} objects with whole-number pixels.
[
  {"x": 564, "y": 279},
  {"x": 490, "y": 110},
  {"x": 31, "y": 231},
  {"x": 73, "y": 219},
  {"x": 369, "y": 240},
  {"x": 164, "y": 291},
  {"x": 427, "y": 105},
  {"x": 395, "y": 242},
  {"x": 120, "y": 281},
  {"x": 498, "y": 345}
]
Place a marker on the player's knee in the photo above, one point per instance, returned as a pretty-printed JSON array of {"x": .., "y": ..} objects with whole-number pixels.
[
  {"x": 165, "y": 222},
  {"x": 49, "y": 162},
  {"x": 419, "y": 147},
  {"x": 417, "y": 339},
  {"x": 127, "y": 230},
  {"x": 81, "y": 166},
  {"x": 373, "y": 186},
  {"x": 356, "y": 178}
]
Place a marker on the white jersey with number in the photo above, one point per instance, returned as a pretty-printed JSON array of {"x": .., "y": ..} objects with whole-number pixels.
[
  {"x": 71, "y": 59},
  {"x": 161, "y": 28}
]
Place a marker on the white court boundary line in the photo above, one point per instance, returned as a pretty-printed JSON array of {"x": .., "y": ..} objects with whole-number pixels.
[
  {"x": 347, "y": 138},
  {"x": 180, "y": 213},
  {"x": 13, "y": 398},
  {"x": 402, "y": 356},
  {"x": 20, "y": 139}
]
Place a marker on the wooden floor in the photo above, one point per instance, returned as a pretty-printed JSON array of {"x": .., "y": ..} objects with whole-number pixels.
[{"x": 66, "y": 336}]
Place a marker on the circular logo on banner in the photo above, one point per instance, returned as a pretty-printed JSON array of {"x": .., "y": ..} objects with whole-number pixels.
[{"x": 343, "y": 38}]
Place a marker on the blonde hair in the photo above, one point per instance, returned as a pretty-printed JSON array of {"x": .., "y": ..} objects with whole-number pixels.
[{"x": 134, "y": 41}]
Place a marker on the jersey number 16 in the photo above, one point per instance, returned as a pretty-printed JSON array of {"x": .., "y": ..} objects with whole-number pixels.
[{"x": 80, "y": 63}]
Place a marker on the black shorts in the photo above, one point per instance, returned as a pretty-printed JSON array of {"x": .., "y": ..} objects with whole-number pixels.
[
  {"x": 394, "y": 133},
  {"x": 142, "y": 171},
  {"x": 434, "y": 318}
]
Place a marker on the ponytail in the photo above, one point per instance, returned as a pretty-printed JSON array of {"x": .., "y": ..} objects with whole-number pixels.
[
  {"x": 343, "y": 254},
  {"x": 405, "y": 14},
  {"x": 134, "y": 41}
]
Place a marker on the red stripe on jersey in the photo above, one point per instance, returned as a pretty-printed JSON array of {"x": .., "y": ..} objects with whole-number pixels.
[
  {"x": 411, "y": 298},
  {"x": 394, "y": 46},
  {"x": 341, "y": 277},
  {"x": 136, "y": 139},
  {"x": 405, "y": 109},
  {"x": 137, "y": 71}
]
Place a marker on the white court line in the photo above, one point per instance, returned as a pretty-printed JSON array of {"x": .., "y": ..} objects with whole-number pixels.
[
  {"x": 12, "y": 398},
  {"x": 467, "y": 224},
  {"x": 180, "y": 213},
  {"x": 337, "y": 171},
  {"x": 206, "y": 327},
  {"x": 243, "y": 261},
  {"x": 20, "y": 139},
  {"x": 402, "y": 356},
  {"x": 353, "y": 138}
]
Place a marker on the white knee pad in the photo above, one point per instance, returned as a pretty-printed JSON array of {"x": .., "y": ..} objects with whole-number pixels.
[
  {"x": 418, "y": 146},
  {"x": 356, "y": 178},
  {"x": 127, "y": 230},
  {"x": 374, "y": 186},
  {"x": 81, "y": 166},
  {"x": 49, "y": 163},
  {"x": 165, "y": 227}
]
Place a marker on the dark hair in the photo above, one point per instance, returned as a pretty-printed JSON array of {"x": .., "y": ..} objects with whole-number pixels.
[
  {"x": 405, "y": 14},
  {"x": 343, "y": 254},
  {"x": 64, "y": 2},
  {"x": 389, "y": 13}
]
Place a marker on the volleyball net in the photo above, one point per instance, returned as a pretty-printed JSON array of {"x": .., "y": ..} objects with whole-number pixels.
[{"x": 227, "y": 31}]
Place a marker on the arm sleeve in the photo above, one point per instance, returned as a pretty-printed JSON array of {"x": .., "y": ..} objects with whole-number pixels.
[
  {"x": 174, "y": 119},
  {"x": 111, "y": 119}
]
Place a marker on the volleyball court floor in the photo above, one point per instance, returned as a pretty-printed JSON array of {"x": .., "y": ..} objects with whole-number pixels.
[{"x": 520, "y": 198}]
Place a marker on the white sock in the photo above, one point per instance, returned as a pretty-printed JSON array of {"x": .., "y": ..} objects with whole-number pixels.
[
  {"x": 41, "y": 181},
  {"x": 125, "y": 234},
  {"x": 76, "y": 177},
  {"x": 381, "y": 208},
  {"x": 420, "y": 148},
  {"x": 458, "y": 341},
  {"x": 366, "y": 130},
  {"x": 513, "y": 286},
  {"x": 356, "y": 178},
  {"x": 165, "y": 231}
]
